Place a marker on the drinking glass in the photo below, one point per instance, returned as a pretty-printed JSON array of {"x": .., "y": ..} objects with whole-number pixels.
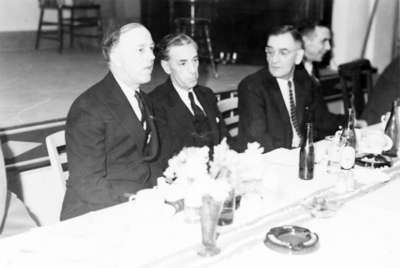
[
  {"x": 333, "y": 157},
  {"x": 209, "y": 215},
  {"x": 228, "y": 209}
]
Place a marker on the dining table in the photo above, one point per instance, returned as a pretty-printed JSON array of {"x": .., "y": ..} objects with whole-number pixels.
[{"x": 360, "y": 229}]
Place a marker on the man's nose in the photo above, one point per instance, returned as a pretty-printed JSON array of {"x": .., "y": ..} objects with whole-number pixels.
[
  {"x": 151, "y": 55},
  {"x": 192, "y": 67},
  {"x": 328, "y": 46}
]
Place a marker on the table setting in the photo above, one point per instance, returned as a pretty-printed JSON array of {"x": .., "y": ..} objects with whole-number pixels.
[{"x": 269, "y": 215}]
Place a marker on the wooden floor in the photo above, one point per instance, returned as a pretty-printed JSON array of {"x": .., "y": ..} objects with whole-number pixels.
[{"x": 40, "y": 85}]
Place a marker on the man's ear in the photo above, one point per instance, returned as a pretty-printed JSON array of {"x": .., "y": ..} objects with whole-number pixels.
[
  {"x": 299, "y": 56},
  {"x": 165, "y": 66}
]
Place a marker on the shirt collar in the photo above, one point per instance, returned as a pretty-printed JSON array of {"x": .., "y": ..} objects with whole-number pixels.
[{"x": 125, "y": 88}]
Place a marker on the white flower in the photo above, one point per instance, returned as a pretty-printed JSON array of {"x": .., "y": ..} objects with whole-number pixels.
[
  {"x": 188, "y": 165},
  {"x": 193, "y": 169}
]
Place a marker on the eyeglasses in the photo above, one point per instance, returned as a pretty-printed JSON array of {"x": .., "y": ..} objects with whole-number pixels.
[{"x": 281, "y": 52}]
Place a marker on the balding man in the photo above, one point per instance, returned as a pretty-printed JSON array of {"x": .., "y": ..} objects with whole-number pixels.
[{"x": 110, "y": 133}]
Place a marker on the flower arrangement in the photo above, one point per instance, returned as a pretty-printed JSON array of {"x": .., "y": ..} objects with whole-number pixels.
[{"x": 226, "y": 168}]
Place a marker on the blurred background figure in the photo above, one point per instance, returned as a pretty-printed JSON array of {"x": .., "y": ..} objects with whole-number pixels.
[
  {"x": 385, "y": 91},
  {"x": 317, "y": 43}
]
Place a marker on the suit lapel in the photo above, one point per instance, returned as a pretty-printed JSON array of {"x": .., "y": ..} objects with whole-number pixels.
[
  {"x": 120, "y": 108},
  {"x": 178, "y": 108},
  {"x": 271, "y": 82}
]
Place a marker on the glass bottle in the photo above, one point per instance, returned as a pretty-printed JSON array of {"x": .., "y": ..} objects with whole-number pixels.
[
  {"x": 392, "y": 128},
  {"x": 306, "y": 158},
  {"x": 348, "y": 142}
]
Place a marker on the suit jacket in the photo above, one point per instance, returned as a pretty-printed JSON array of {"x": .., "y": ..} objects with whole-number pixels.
[
  {"x": 263, "y": 116},
  {"x": 385, "y": 91},
  {"x": 175, "y": 121},
  {"x": 106, "y": 150}
]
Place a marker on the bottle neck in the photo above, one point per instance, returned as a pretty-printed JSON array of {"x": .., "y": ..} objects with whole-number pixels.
[
  {"x": 309, "y": 134},
  {"x": 351, "y": 119}
]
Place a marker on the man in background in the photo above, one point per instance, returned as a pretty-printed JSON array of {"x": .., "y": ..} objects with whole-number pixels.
[
  {"x": 317, "y": 43},
  {"x": 186, "y": 113},
  {"x": 110, "y": 135},
  {"x": 275, "y": 102}
]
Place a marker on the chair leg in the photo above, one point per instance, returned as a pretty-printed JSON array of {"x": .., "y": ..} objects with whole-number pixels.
[
  {"x": 60, "y": 30},
  {"x": 39, "y": 30},
  {"x": 210, "y": 50},
  {"x": 99, "y": 26},
  {"x": 71, "y": 29}
]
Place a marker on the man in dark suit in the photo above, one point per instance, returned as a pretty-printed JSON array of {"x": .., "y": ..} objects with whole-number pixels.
[
  {"x": 110, "y": 135},
  {"x": 186, "y": 113},
  {"x": 273, "y": 101}
]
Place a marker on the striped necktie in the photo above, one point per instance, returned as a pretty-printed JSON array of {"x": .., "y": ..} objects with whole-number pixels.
[
  {"x": 293, "y": 116},
  {"x": 197, "y": 111}
]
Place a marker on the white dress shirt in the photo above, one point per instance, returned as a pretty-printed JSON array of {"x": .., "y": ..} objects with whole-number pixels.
[
  {"x": 184, "y": 95},
  {"x": 309, "y": 67},
  {"x": 283, "y": 86}
]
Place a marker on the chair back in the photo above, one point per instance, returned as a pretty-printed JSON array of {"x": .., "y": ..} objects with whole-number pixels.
[
  {"x": 3, "y": 188},
  {"x": 56, "y": 149},
  {"x": 356, "y": 83},
  {"x": 228, "y": 108}
]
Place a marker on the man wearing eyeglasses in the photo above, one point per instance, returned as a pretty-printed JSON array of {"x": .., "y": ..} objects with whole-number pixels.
[{"x": 273, "y": 101}]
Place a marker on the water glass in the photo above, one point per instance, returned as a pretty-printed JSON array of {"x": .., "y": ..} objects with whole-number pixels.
[
  {"x": 333, "y": 157},
  {"x": 209, "y": 215},
  {"x": 228, "y": 209}
]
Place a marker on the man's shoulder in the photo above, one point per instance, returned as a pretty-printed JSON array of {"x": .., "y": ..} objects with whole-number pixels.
[
  {"x": 258, "y": 75},
  {"x": 205, "y": 90},
  {"x": 93, "y": 96},
  {"x": 160, "y": 91},
  {"x": 255, "y": 80}
]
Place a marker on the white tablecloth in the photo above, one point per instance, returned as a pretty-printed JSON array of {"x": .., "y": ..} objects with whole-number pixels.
[{"x": 362, "y": 233}]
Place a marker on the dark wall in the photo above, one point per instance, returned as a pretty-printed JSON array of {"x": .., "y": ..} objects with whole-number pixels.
[{"x": 238, "y": 25}]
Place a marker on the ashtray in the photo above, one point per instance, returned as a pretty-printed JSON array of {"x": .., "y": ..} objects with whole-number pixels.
[
  {"x": 373, "y": 161},
  {"x": 291, "y": 239}
]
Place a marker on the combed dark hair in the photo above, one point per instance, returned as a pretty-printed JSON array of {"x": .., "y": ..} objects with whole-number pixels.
[
  {"x": 172, "y": 40},
  {"x": 113, "y": 36},
  {"x": 283, "y": 29},
  {"x": 307, "y": 27}
]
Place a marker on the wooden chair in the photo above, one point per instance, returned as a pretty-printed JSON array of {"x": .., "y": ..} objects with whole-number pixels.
[
  {"x": 3, "y": 188},
  {"x": 228, "y": 107},
  {"x": 56, "y": 149},
  {"x": 195, "y": 26},
  {"x": 356, "y": 83},
  {"x": 82, "y": 15}
]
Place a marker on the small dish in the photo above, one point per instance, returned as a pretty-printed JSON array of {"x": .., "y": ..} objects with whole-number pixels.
[
  {"x": 373, "y": 161},
  {"x": 291, "y": 239}
]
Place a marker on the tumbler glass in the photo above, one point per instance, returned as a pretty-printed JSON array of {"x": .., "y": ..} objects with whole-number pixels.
[{"x": 209, "y": 215}]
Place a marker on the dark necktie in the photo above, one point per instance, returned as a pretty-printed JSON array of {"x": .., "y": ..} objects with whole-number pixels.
[
  {"x": 293, "y": 116},
  {"x": 197, "y": 111},
  {"x": 151, "y": 141},
  {"x": 139, "y": 99}
]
